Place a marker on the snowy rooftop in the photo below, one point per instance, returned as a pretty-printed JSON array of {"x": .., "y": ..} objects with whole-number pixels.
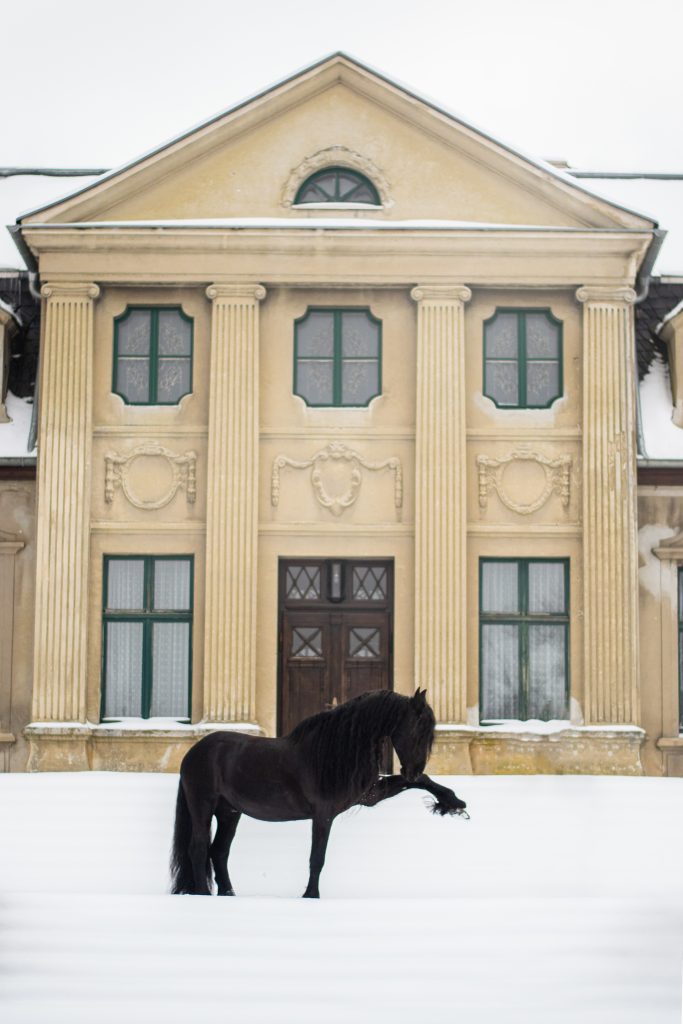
[{"x": 560, "y": 900}]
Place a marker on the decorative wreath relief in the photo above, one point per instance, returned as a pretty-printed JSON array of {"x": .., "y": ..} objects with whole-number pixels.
[
  {"x": 336, "y": 452},
  {"x": 556, "y": 473},
  {"x": 131, "y": 470}
]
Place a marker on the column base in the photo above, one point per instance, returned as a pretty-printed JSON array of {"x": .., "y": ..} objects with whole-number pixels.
[
  {"x": 574, "y": 750},
  {"x": 118, "y": 746},
  {"x": 672, "y": 756}
]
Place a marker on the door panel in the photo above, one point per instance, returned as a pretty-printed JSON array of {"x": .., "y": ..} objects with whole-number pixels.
[{"x": 335, "y": 633}]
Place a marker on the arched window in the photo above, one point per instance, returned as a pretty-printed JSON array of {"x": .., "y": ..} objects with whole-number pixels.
[{"x": 337, "y": 185}]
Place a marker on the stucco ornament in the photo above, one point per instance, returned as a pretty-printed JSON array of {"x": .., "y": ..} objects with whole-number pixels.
[
  {"x": 336, "y": 452},
  {"x": 180, "y": 470},
  {"x": 556, "y": 473},
  {"x": 336, "y": 156}
]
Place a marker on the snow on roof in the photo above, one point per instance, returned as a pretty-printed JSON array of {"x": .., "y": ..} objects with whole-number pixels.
[
  {"x": 333, "y": 223},
  {"x": 14, "y": 435},
  {"x": 21, "y": 192},
  {"x": 670, "y": 315},
  {"x": 661, "y": 198},
  {"x": 662, "y": 439}
]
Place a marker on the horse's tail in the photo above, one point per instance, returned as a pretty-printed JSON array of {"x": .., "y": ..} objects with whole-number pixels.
[{"x": 182, "y": 875}]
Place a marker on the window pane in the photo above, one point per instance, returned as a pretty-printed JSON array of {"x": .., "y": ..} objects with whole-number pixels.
[
  {"x": 171, "y": 584},
  {"x": 547, "y": 672},
  {"x": 132, "y": 379},
  {"x": 175, "y": 334},
  {"x": 499, "y": 587},
  {"x": 307, "y": 642},
  {"x": 360, "y": 335},
  {"x": 174, "y": 379},
  {"x": 542, "y": 382},
  {"x": 501, "y": 337},
  {"x": 500, "y": 671},
  {"x": 502, "y": 384},
  {"x": 126, "y": 584},
  {"x": 123, "y": 670},
  {"x": 171, "y": 671},
  {"x": 369, "y": 583},
  {"x": 542, "y": 337},
  {"x": 547, "y": 587},
  {"x": 133, "y": 333},
  {"x": 359, "y": 381},
  {"x": 314, "y": 381},
  {"x": 364, "y": 643},
  {"x": 303, "y": 583},
  {"x": 315, "y": 336}
]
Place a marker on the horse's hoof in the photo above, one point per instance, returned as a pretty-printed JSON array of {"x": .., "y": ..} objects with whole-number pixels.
[
  {"x": 311, "y": 896},
  {"x": 226, "y": 892}
]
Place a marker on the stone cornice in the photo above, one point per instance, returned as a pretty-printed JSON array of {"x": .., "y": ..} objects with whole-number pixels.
[
  {"x": 295, "y": 256},
  {"x": 70, "y": 290},
  {"x": 601, "y": 295},
  {"x": 236, "y": 292}
]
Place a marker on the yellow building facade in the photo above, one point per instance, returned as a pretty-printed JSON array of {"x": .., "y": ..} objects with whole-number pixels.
[{"x": 338, "y": 392}]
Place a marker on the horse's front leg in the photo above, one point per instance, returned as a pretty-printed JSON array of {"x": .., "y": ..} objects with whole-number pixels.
[
  {"x": 446, "y": 800},
  {"x": 384, "y": 789},
  {"x": 321, "y": 833}
]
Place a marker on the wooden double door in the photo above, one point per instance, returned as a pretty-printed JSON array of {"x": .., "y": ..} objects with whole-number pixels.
[{"x": 335, "y": 633}]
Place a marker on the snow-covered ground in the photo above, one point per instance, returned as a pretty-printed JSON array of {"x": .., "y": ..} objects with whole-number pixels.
[{"x": 560, "y": 901}]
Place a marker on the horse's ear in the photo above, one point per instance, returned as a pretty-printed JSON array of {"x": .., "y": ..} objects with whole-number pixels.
[{"x": 419, "y": 698}]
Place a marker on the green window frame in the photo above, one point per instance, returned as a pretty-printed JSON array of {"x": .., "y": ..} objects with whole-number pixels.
[
  {"x": 150, "y": 366},
  {"x": 337, "y": 185},
  {"x": 680, "y": 648},
  {"x": 523, "y": 649},
  {"x": 334, "y": 369},
  {"x": 515, "y": 366},
  {"x": 140, "y": 644}
]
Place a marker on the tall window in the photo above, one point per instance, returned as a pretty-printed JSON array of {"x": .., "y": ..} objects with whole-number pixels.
[
  {"x": 152, "y": 355},
  {"x": 337, "y": 185},
  {"x": 337, "y": 357},
  {"x": 523, "y": 358},
  {"x": 524, "y": 639},
  {"x": 147, "y": 642}
]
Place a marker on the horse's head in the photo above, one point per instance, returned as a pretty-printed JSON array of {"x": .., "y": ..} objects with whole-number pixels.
[{"x": 412, "y": 739}]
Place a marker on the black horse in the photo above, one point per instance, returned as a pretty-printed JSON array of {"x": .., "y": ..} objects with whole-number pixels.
[{"x": 328, "y": 763}]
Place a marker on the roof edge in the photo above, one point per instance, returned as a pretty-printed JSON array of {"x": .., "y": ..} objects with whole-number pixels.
[{"x": 342, "y": 56}]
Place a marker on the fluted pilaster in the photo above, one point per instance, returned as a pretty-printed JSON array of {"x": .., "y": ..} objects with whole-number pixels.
[
  {"x": 440, "y": 500},
  {"x": 610, "y": 552},
  {"x": 65, "y": 428},
  {"x": 232, "y": 512}
]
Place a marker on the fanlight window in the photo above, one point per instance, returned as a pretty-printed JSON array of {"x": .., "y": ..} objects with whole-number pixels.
[
  {"x": 338, "y": 185},
  {"x": 337, "y": 357}
]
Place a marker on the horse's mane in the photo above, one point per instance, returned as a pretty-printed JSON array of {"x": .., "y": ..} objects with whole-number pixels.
[{"x": 343, "y": 745}]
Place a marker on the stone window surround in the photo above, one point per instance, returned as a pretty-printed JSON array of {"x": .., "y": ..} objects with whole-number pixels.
[{"x": 670, "y": 555}]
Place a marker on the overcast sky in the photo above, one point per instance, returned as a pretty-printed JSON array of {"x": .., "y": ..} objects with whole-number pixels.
[{"x": 596, "y": 82}]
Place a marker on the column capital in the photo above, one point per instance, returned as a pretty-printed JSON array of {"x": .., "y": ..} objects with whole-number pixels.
[
  {"x": 70, "y": 290},
  {"x": 441, "y": 293},
  {"x": 236, "y": 292},
  {"x": 606, "y": 295}
]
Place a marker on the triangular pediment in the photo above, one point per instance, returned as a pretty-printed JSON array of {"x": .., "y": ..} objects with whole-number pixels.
[{"x": 429, "y": 164}]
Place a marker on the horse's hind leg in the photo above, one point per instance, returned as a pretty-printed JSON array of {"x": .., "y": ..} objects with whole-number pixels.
[
  {"x": 199, "y": 848},
  {"x": 227, "y": 820}
]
